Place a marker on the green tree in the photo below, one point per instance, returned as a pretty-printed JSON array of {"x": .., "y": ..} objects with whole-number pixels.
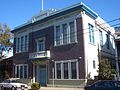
[
  {"x": 5, "y": 37},
  {"x": 105, "y": 70}
]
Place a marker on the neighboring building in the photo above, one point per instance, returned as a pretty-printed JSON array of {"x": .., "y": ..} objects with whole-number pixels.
[
  {"x": 65, "y": 45},
  {"x": 117, "y": 40}
]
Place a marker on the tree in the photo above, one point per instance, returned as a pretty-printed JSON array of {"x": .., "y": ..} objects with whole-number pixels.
[
  {"x": 5, "y": 38},
  {"x": 105, "y": 70}
]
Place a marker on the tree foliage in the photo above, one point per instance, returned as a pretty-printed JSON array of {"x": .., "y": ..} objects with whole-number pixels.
[
  {"x": 105, "y": 70},
  {"x": 5, "y": 37}
]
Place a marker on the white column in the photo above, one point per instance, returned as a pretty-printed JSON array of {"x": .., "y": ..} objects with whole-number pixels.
[{"x": 33, "y": 73}]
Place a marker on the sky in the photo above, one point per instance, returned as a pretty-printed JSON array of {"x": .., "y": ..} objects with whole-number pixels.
[{"x": 17, "y": 12}]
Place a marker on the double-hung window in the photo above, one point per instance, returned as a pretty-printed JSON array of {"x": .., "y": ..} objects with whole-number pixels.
[
  {"x": 58, "y": 35},
  {"x": 107, "y": 41},
  {"x": 65, "y": 66},
  {"x": 72, "y": 32},
  {"x": 21, "y": 71},
  {"x": 18, "y": 44},
  {"x": 65, "y": 33},
  {"x": 91, "y": 34},
  {"x": 22, "y": 43},
  {"x": 101, "y": 37},
  {"x": 41, "y": 44},
  {"x": 66, "y": 70},
  {"x": 58, "y": 70}
]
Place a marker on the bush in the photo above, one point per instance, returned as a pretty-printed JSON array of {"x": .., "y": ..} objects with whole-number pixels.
[{"x": 35, "y": 86}]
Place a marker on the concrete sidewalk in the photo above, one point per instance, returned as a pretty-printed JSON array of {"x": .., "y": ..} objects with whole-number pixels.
[{"x": 56, "y": 88}]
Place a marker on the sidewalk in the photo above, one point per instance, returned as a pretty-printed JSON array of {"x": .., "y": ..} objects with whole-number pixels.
[{"x": 55, "y": 88}]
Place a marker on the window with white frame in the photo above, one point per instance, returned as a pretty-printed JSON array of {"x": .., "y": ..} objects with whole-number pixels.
[
  {"x": 66, "y": 69},
  {"x": 73, "y": 70},
  {"x": 58, "y": 70},
  {"x": 107, "y": 41},
  {"x": 22, "y": 44},
  {"x": 26, "y": 42},
  {"x": 91, "y": 34},
  {"x": 65, "y": 33},
  {"x": 101, "y": 38},
  {"x": 21, "y": 71},
  {"x": 41, "y": 44}
]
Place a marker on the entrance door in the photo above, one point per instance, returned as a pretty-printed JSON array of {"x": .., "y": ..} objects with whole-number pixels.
[{"x": 42, "y": 76}]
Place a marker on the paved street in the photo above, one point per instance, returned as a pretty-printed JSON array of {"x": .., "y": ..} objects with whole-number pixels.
[{"x": 51, "y": 88}]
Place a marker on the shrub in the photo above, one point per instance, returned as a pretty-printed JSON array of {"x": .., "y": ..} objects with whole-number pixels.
[{"x": 35, "y": 86}]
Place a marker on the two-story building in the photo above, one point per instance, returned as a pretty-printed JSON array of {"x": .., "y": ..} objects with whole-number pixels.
[{"x": 62, "y": 47}]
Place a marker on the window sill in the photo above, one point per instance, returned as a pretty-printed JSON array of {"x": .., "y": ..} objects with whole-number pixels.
[{"x": 66, "y": 44}]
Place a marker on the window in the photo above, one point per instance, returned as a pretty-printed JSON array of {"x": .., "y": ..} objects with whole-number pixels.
[
  {"x": 94, "y": 65},
  {"x": 21, "y": 71},
  {"x": 65, "y": 65},
  {"x": 65, "y": 35},
  {"x": 41, "y": 44},
  {"x": 66, "y": 70},
  {"x": 18, "y": 45},
  {"x": 73, "y": 70},
  {"x": 91, "y": 34},
  {"x": 26, "y": 43},
  {"x": 107, "y": 41},
  {"x": 58, "y": 35},
  {"x": 101, "y": 38},
  {"x": 22, "y": 40},
  {"x": 58, "y": 68},
  {"x": 72, "y": 32}
]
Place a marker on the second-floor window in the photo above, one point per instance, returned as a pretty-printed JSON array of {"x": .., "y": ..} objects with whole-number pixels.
[
  {"x": 101, "y": 37},
  {"x": 22, "y": 43},
  {"x": 91, "y": 34},
  {"x": 107, "y": 41},
  {"x": 41, "y": 44},
  {"x": 65, "y": 33}
]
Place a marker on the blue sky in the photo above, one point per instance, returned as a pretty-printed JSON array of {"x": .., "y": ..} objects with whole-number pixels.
[{"x": 17, "y": 12}]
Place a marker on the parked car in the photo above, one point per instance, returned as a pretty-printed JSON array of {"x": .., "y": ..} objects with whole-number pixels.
[
  {"x": 13, "y": 84},
  {"x": 104, "y": 85}
]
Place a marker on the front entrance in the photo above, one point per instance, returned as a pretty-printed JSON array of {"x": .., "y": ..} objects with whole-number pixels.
[{"x": 42, "y": 75}]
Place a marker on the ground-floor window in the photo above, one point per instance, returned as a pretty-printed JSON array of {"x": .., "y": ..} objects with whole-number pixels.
[
  {"x": 66, "y": 69},
  {"x": 21, "y": 71}
]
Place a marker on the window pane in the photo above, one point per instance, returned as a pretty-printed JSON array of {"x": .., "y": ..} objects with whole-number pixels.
[
  {"x": 18, "y": 44},
  {"x": 25, "y": 71},
  {"x": 65, "y": 65},
  {"x": 26, "y": 42},
  {"x": 91, "y": 34},
  {"x": 65, "y": 35},
  {"x": 21, "y": 71},
  {"x": 108, "y": 41},
  {"x": 58, "y": 68},
  {"x": 22, "y": 44},
  {"x": 41, "y": 45},
  {"x": 101, "y": 38},
  {"x": 57, "y": 35},
  {"x": 17, "y": 71},
  {"x": 72, "y": 32},
  {"x": 73, "y": 70}
]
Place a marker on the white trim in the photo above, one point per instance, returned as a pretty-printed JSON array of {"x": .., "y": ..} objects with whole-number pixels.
[
  {"x": 19, "y": 65},
  {"x": 69, "y": 69},
  {"x": 37, "y": 41}
]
